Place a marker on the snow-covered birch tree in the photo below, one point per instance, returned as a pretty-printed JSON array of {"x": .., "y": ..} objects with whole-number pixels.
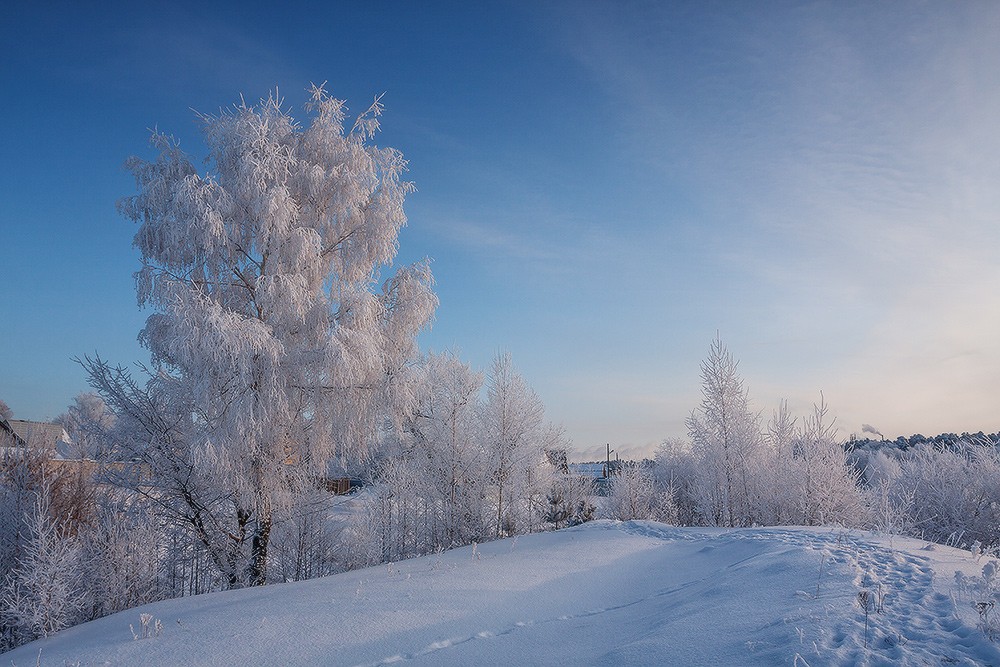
[
  {"x": 446, "y": 451},
  {"x": 273, "y": 348},
  {"x": 512, "y": 436},
  {"x": 780, "y": 503},
  {"x": 726, "y": 442}
]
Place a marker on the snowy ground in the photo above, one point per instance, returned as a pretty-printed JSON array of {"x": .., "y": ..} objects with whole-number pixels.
[{"x": 607, "y": 593}]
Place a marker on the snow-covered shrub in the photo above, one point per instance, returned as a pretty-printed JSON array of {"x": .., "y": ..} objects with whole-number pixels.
[
  {"x": 393, "y": 517},
  {"x": 459, "y": 469},
  {"x": 945, "y": 490},
  {"x": 26, "y": 472},
  {"x": 674, "y": 473},
  {"x": 634, "y": 495},
  {"x": 955, "y": 494},
  {"x": 304, "y": 541},
  {"x": 21, "y": 473},
  {"x": 889, "y": 508},
  {"x": 124, "y": 558},
  {"x": 881, "y": 468},
  {"x": 442, "y": 443},
  {"x": 824, "y": 488},
  {"x": 569, "y": 502},
  {"x": 360, "y": 542}
]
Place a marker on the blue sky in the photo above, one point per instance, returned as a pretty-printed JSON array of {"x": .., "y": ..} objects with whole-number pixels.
[{"x": 602, "y": 187}]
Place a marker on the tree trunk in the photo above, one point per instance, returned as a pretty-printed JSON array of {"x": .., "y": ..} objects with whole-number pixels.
[{"x": 258, "y": 550}]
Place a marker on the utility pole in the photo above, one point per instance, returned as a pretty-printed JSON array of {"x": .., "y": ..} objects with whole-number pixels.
[{"x": 607, "y": 466}]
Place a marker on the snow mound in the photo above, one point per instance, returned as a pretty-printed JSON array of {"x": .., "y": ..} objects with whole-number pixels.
[{"x": 606, "y": 593}]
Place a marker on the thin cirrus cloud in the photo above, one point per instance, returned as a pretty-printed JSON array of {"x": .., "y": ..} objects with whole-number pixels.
[
  {"x": 844, "y": 165},
  {"x": 489, "y": 240}
]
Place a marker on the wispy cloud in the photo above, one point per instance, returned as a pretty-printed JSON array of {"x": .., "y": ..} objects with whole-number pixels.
[
  {"x": 843, "y": 163},
  {"x": 490, "y": 239}
]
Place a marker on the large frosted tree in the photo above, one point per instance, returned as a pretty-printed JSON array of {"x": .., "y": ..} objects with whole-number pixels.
[{"x": 274, "y": 349}]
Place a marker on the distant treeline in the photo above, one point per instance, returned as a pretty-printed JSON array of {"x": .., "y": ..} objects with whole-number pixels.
[{"x": 949, "y": 441}]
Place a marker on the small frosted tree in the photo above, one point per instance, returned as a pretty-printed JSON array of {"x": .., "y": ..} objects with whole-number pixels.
[
  {"x": 726, "y": 443},
  {"x": 273, "y": 350},
  {"x": 18, "y": 489},
  {"x": 512, "y": 436},
  {"x": 674, "y": 471},
  {"x": 463, "y": 469},
  {"x": 42, "y": 594},
  {"x": 306, "y": 538},
  {"x": 888, "y": 504},
  {"x": 24, "y": 476},
  {"x": 444, "y": 448},
  {"x": 779, "y": 503},
  {"x": 430, "y": 489},
  {"x": 825, "y": 487}
]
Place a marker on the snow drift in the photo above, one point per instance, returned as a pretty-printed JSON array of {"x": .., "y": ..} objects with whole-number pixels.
[{"x": 605, "y": 593}]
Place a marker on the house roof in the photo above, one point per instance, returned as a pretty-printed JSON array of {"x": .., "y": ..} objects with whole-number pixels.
[
  {"x": 52, "y": 436},
  {"x": 7, "y": 430},
  {"x": 594, "y": 470}
]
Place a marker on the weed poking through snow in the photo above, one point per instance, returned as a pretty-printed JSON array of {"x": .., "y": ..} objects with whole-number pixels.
[
  {"x": 985, "y": 623},
  {"x": 148, "y": 627},
  {"x": 864, "y": 599}
]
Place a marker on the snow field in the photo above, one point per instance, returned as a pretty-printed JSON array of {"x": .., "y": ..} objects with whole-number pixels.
[{"x": 605, "y": 593}]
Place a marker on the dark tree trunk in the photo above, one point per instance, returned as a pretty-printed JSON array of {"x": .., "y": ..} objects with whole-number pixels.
[{"x": 258, "y": 551}]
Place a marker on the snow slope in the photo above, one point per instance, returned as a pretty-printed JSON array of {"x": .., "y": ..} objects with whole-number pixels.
[{"x": 606, "y": 593}]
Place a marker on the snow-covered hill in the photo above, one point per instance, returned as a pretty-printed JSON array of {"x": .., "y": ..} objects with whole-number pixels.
[{"x": 606, "y": 593}]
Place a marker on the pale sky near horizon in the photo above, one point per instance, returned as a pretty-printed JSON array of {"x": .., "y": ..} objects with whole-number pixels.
[{"x": 602, "y": 187}]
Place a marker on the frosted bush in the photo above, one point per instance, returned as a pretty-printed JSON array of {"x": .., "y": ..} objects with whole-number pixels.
[{"x": 634, "y": 495}]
